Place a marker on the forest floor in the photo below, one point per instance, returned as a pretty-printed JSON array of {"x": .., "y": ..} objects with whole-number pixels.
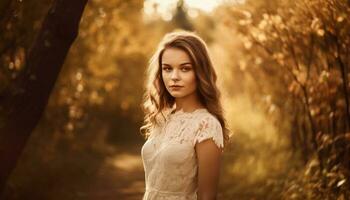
[
  {"x": 120, "y": 177},
  {"x": 249, "y": 172}
]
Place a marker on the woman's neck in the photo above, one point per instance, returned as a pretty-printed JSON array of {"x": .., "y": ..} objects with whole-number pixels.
[{"x": 188, "y": 104}]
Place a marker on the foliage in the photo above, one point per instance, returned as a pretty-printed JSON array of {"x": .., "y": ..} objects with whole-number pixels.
[
  {"x": 314, "y": 183},
  {"x": 299, "y": 52},
  {"x": 283, "y": 67}
]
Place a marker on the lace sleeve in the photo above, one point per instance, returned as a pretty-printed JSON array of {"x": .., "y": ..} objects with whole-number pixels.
[{"x": 209, "y": 128}]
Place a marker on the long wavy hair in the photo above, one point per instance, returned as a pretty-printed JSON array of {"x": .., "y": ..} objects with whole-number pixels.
[{"x": 157, "y": 99}]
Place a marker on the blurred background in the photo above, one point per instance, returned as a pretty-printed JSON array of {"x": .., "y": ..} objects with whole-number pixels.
[{"x": 283, "y": 69}]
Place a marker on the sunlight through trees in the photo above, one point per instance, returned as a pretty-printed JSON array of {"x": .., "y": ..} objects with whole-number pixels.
[{"x": 283, "y": 67}]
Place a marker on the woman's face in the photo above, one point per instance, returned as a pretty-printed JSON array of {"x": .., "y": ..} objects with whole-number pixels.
[{"x": 178, "y": 73}]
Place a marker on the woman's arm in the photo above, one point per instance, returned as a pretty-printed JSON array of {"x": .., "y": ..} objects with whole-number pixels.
[{"x": 209, "y": 157}]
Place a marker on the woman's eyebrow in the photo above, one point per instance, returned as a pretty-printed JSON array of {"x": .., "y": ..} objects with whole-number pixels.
[{"x": 185, "y": 63}]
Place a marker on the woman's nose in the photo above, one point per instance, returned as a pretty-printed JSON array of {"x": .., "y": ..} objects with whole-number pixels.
[{"x": 175, "y": 75}]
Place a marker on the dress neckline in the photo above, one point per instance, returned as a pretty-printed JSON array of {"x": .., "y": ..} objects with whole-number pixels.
[{"x": 182, "y": 112}]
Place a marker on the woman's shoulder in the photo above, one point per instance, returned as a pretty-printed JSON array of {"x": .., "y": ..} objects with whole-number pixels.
[
  {"x": 209, "y": 127},
  {"x": 204, "y": 120},
  {"x": 205, "y": 115}
]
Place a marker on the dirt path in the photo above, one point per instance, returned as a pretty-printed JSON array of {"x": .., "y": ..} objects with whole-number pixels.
[{"x": 120, "y": 177}]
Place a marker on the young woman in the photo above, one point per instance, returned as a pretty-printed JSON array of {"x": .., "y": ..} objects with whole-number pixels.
[{"x": 184, "y": 122}]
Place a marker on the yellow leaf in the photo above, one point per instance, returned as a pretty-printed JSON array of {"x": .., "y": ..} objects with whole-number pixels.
[
  {"x": 340, "y": 183},
  {"x": 320, "y": 32}
]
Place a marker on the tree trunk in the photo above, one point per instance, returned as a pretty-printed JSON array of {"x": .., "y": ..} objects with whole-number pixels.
[{"x": 21, "y": 110}]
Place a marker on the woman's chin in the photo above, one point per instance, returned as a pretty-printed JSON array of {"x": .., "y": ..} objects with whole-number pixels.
[{"x": 176, "y": 95}]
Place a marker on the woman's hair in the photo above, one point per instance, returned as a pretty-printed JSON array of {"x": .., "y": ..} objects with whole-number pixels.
[{"x": 157, "y": 98}]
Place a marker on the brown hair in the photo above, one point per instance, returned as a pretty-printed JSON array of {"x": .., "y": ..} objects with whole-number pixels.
[{"x": 157, "y": 98}]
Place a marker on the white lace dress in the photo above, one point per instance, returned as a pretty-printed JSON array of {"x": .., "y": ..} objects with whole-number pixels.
[{"x": 169, "y": 157}]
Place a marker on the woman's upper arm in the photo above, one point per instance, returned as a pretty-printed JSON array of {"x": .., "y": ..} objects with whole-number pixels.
[
  {"x": 209, "y": 158},
  {"x": 208, "y": 143}
]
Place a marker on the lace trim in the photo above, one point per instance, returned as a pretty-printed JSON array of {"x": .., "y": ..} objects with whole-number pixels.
[
  {"x": 217, "y": 141},
  {"x": 182, "y": 112}
]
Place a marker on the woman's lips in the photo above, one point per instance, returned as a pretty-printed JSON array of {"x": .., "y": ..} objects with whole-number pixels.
[{"x": 176, "y": 87}]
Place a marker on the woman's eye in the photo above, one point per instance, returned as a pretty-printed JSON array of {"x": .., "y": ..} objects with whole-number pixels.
[
  {"x": 185, "y": 69},
  {"x": 167, "y": 69}
]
